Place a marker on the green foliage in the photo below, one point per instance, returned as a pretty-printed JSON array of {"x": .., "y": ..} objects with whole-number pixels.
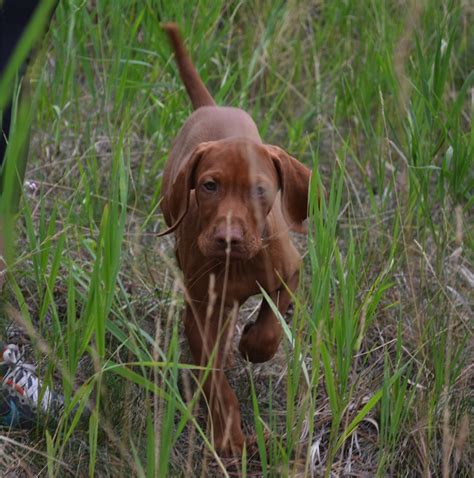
[{"x": 376, "y": 98}]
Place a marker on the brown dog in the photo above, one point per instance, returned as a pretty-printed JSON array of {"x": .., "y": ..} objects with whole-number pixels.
[{"x": 231, "y": 201}]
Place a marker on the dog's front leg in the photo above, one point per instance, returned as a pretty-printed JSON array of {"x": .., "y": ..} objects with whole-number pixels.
[
  {"x": 260, "y": 339},
  {"x": 204, "y": 335}
]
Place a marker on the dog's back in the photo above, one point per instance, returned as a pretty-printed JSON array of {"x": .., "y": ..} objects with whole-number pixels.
[{"x": 208, "y": 122}]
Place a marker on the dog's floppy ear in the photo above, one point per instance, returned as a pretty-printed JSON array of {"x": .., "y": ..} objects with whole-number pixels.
[
  {"x": 176, "y": 199},
  {"x": 294, "y": 179}
]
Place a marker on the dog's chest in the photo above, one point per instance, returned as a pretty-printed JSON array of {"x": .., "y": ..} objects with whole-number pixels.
[{"x": 246, "y": 279}]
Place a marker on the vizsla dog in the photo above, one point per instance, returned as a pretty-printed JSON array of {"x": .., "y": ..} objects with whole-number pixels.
[{"x": 231, "y": 201}]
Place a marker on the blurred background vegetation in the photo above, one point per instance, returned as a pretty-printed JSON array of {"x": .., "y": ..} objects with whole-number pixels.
[{"x": 375, "y": 375}]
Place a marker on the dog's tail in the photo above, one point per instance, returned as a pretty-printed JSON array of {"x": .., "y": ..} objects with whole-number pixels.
[{"x": 196, "y": 89}]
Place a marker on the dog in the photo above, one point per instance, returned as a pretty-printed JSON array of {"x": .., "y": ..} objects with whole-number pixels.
[{"x": 231, "y": 200}]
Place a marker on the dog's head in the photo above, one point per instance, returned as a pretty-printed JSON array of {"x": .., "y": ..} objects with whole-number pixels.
[{"x": 236, "y": 182}]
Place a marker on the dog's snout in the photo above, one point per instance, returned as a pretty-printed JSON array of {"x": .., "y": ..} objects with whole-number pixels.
[{"x": 225, "y": 235}]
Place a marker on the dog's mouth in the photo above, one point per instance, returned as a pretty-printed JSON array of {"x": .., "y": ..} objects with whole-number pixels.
[
  {"x": 235, "y": 252},
  {"x": 232, "y": 254}
]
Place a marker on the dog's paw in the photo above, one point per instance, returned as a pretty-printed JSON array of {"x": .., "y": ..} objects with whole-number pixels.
[
  {"x": 258, "y": 344},
  {"x": 230, "y": 447}
]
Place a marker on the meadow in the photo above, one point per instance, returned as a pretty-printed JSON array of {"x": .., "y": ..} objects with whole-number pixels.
[{"x": 375, "y": 373}]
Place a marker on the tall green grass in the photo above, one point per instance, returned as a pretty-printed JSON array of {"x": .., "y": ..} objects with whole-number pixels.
[{"x": 373, "y": 375}]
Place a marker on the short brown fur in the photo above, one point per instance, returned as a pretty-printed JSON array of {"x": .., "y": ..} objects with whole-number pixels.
[{"x": 231, "y": 201}]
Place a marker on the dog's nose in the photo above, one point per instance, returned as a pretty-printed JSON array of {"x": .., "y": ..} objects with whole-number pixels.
[{"x": 228, "y": 234}]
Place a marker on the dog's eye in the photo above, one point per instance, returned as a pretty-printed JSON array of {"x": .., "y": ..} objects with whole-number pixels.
[
  {"x": 259, "y": 191},
  {"x": 210, "y": 186}
]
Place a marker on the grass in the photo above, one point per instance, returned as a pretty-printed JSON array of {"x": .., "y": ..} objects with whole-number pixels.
[{"x": 375, "y": 372}]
